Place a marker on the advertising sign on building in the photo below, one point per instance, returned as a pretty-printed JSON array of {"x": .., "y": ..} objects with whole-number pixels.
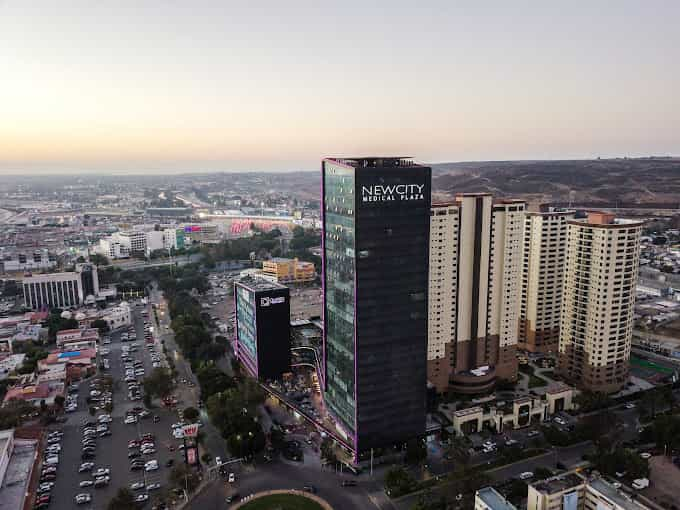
[
  {"x": 190, "y": 430},
  {"x": 191, "y": 456}
]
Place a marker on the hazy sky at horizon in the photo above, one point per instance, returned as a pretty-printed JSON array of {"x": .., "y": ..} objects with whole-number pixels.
[{"x": 144, "y": 86}]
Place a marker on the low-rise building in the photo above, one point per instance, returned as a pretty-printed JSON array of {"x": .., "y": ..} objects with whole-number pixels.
[
  {"x": 76, "y": 339},
  {"x": 18, "y": 458},
  {"x": 518, "y": 413},
  {"x": 10, "y": 362},
  {"x": 36, "y": 393},
  {"x": 571, "y": 491},
  {"x": 118, "y": 316},
  {"x": 488, "y": 498},
  {"x": 286, "y": 271}
]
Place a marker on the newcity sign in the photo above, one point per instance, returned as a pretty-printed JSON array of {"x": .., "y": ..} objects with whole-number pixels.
[{"x": 392, "y": 192}]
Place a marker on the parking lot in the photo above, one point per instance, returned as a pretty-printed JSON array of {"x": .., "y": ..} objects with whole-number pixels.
[{"x": 112, "y": 451}]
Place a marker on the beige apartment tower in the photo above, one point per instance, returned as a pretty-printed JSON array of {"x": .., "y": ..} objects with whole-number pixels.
[
  {"x": 474, "y": 291},
  {"x": 600, "y": 277},
  {"x": 545, "y": 247}
]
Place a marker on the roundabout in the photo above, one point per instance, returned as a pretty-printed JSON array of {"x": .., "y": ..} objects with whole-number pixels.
[{"x": 283, "y": 500}]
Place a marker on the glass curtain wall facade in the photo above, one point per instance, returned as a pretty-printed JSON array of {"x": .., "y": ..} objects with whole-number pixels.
[
  {"x": 376, "y": 250},
  {"x": 339, "y": 273}
]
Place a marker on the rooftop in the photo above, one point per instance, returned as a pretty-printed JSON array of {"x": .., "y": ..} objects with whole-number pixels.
[
  {"x": 494, "y": 500},
  {"x": 258, "y": 284},
  {"x": 375, "y": 161},
  {"x": 558, "y": 483},
  {"x": 612, "y": 493},
  {"x": 17, "y": 476}
]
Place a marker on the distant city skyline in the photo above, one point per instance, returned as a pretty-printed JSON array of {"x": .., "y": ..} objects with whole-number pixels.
[{"x": 208, "y": 86}]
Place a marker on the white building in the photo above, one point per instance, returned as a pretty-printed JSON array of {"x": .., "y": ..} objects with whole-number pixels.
[
  {"x": 134, "y": 240},
  {"x": 154, "y": 241},
  {"x": 112, "y": 248},
  {"x": 38, "y": 260},
  {"x": 596, "y": 330},
  {"x": 545, "y": 249},
  {"x": 118, "y": 316},
  {"x": 61, "y": 290},
  {"x": 489, "y": 498},
  {"x": 571, "y": 491},
  {"x": 475, "y": 264}
]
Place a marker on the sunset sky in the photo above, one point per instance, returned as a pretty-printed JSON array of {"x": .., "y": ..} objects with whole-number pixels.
[{"x": 170, "y": 86}]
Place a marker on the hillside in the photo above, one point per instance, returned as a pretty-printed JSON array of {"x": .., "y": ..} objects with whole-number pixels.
[{"x": 648, "y": 182}]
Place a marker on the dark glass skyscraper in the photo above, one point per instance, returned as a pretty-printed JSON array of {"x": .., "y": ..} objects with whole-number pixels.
[{"x": 376, "y": 214}]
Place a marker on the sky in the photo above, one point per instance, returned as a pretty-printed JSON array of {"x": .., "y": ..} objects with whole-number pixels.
[{"x": 178, "y": 86}]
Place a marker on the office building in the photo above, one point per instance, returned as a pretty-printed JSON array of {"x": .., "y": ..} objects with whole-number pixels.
[
  {"x": 375, "y": 278},
  {"x": 288, "y": 270},
  {"x": 545, "y": 249},
  {"x": 173, "y": 238},
  {"x": 59, "y": 290},
  {"x": 489, "y": 498},
  {"x": 601, "y": 271},
  {"x": 474, "y": 289},
  {"x": 262, "y": 342},
  {"x": 155, "y": 240},
  {"x": 38, "y": 260},
  {"x": 571, "y": 491}
]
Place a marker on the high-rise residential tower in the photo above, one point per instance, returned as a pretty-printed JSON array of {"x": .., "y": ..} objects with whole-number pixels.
[
  {"x": 474, "y": 275},
  {"x": 601, "y": 269},
  {"x": 375, "y": 279},
  {"x": 545, "y": 249}
]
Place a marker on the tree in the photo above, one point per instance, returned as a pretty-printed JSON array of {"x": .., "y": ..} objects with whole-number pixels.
[
  {"x": 101, "y": 325},
  {"x": 99, "y": 260},
  {"x": 59, "y": 401},
  {"x": 541, "y": 473},
  {"x": 622, "y": 459},
  {"x": 652, "y": 400},
  {"x": 159, "y": 383},
  {"x": 183, "y": 477},
  {"x": 328, "y": 451},
  {"x": 123, "y": 500},
  {"x": 398, "y": 482},
  {"x": 415, "y": 452},
  {"x": 666, "y": 432},
  {"x": 459, "y": 450},
  {"x": 591, "y": 401},
  {"x": 191, "y": 414}
]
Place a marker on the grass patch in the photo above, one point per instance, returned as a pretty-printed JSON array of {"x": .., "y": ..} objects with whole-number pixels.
[
  {"x": 536, "y": 382},
  {"x": 649, "y": 365},
  {"x": 282, "y": 502}
]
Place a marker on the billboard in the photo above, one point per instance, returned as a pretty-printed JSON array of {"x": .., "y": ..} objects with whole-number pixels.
[
  {"x": 190, "y": 430},
  {"x": 192, "y": 456}
]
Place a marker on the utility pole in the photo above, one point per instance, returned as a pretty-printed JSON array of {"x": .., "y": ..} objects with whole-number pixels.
[{"x": 371, "y": 461}]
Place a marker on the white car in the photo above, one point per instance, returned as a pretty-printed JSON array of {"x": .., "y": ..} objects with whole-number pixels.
[
  {"x": 646, "y": 455},
  {"x": 153, "y": 486},
  {"x": 52, "y": 460},
  {"x": 232, "y": 478},
  {"x": 130, "y": 420},
  {"x": 83, "y": 498},
  {"x": 218, "y": 461},
  {"x": 101, "y": 472},
  {"x": 526, "y": 475},
  {"x": 148, "y": 451},
  {"x": 86, "y": 483},
  {"x": 140, "y": 498},
  {"x": 152, "y": 465}
]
